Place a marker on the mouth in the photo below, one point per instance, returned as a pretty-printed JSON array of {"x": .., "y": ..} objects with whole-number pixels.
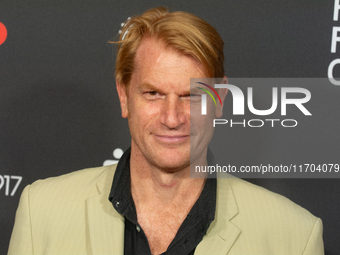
[{"x": 172, "y": 138}]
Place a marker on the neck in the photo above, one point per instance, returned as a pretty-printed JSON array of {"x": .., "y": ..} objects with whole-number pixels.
[{"x": 151, "y": 185}]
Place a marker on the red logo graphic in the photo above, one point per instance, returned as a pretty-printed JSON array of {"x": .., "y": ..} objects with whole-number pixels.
[{"x": 3, "y": 33}]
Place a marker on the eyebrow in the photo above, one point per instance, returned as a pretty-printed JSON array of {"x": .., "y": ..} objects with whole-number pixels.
[
  {"x": 196, "y": 90},
  {"x": 147, "y": 86}
]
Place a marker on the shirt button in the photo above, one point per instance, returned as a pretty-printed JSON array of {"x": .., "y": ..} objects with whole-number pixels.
[
  {"x": 116, "y": 204},
  {"x": 138, "y": 228}
]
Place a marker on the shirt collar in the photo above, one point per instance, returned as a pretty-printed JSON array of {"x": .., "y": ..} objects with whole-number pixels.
[
  {"x": 121, "y": 198},
  {"x": 120, "y": 195}
]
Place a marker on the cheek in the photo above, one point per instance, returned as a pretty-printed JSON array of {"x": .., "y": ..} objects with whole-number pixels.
[
  {"x": 142, "y": 113},
  {"x": 202, "y": 125}
]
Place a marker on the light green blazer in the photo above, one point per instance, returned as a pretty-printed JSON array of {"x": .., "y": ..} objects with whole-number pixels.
[{"x": 71, "y": 214}]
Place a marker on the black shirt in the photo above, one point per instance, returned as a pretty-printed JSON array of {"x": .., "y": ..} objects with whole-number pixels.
[{"x": 190, "y": 233}]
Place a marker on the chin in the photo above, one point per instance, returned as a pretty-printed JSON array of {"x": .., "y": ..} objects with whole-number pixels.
[{"x": 172, "y": 163}]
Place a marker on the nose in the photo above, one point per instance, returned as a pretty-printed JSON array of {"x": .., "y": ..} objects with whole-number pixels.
[{"x": 173, "y": 113}]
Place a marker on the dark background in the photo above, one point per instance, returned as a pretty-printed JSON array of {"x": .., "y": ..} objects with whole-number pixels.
[{"x": 59, "y": 110}]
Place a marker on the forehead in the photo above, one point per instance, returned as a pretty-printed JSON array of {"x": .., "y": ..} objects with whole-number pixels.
[{"x": 156, "y": 61}]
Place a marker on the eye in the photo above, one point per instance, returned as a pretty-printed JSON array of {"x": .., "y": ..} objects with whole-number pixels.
[
  {"x": 194, "y": 98},
  {"x": 152, "y": 95}
]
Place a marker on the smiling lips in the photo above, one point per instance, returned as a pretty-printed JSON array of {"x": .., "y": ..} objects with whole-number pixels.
[{"x": 172, "y": 138}]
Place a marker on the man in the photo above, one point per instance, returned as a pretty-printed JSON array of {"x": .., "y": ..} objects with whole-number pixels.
[{"x": 152, "y": 206}]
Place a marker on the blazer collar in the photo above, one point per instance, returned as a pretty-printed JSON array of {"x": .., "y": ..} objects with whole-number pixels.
[
  {"x": 105, "y": 227},
  {"x": 222, "y": 233}
]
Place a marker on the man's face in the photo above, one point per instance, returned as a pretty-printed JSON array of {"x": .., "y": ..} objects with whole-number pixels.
[{"x": 158, "y": 107}]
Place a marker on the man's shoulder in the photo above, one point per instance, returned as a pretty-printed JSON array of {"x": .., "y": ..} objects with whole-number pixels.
[
  {"x": 256, "y": 203},
  {"x": 249, "y": 194},
  {"x": 78, "y": 182},
  {"x": 53, "y": 213},
  {"x": 266, "y": 222},
  {"x": 263, "y": 222}
]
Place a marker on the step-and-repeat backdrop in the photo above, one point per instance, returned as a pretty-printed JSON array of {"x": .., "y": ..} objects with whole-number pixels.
[{"x": 59, "y": 110}]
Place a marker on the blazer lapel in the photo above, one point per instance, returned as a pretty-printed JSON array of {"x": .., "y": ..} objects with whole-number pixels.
[
  {"x": 105, "y": 227},
  {"x": 222, "y": 233}
]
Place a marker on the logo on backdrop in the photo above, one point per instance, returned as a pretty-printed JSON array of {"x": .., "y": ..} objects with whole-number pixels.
[
  {"x": 122, "y": 25},
  {"x": 10, "y": 184},
  {"x": 238, "y": 105},
  {"x": 204, "y": 97},
  {"x": 3, "y": 33},
  {"x": 117, "y": 154},
  {"x": 335, "y": 40}
]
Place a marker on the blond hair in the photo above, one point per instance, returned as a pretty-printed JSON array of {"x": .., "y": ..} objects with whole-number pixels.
[{"x": 182, "y": 31}]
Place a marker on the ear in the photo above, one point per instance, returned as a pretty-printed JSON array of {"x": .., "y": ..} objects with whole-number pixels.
[
  {"x": 121, "y": 89},
  {"x": 222, "y": 93}
]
